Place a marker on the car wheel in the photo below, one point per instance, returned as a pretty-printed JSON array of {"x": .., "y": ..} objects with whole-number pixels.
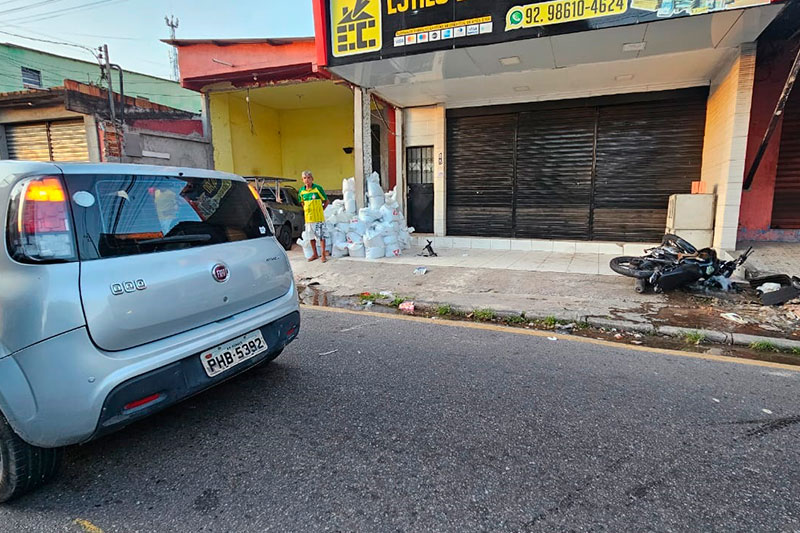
[
  {"x": 285, "y": 237},
  {"x": 23, "y": 467}
]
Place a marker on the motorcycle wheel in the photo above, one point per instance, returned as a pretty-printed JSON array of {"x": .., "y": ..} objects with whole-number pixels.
[{"x": 632, "y": 267}]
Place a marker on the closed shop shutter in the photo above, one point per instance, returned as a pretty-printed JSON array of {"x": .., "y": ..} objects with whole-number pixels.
[
  {"x": 68, "y": 141},
  {"x": 63, "y": 140},
  {"x": 554, "y": 174},
  {"x": 600, "y": 169},
  {"x": 480, "y": 176},
  {"x": 786, "y": 206},
  {"x": 645, "y": 153},
  {"x": 28, "y": 142}
]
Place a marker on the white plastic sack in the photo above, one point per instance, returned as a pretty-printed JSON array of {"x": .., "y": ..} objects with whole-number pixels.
[
  {"x": 376, "y": 202},
  {"x": 350, "y": 202},
  {"x": 349, "y": 185},
  {"x": 393, "y": 250},
  {"x": 389, "y": 215},
  {"x": 376, "y": 253},
  {"x": 343, "y": 227},
  {"x": 375, "y": 241},
  {"x": 390, "y": 239},
  {"x": 338, "y": 253},
  {"x": 356, "y": 249},
  {"x": 353, "y": 237},
  {"x": 359, "y": 227},
  {"x": 367, "y": 216}
]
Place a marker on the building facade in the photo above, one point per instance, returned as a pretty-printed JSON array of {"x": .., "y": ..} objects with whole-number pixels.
[
  {"x": 24, "y": 68},
  {"x": 566, "y": 121}
]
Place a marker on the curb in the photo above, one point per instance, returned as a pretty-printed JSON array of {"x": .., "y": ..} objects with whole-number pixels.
[{"x": 719, "y": 337}]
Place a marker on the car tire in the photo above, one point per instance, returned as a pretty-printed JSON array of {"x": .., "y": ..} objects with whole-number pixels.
[
  {"x": 285, "y": 237},
  {"x": 23, "y": 467}
]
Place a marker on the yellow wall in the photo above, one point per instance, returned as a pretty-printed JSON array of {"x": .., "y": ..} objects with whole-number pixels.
[
  {"x": 283, "y": 143},
  {"x": 313, "y": 139}
]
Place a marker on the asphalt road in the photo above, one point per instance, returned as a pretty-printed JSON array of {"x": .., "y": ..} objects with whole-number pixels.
[{"x": 426, "y": 427}]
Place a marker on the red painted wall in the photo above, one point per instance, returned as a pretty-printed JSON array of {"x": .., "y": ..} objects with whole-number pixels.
[
  {"x": 197, "y": 59},
  {"x": 773, "y": 62},
  {"x": 180, "y": 127}
]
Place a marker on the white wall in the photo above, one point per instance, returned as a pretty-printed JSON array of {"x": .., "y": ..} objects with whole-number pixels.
[
  {"x": 725, "y": 145},
  {"x": 425, "y": 126}
]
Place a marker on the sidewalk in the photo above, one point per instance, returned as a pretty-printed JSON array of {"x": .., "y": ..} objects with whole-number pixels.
[{"x": 512, "y": 283}]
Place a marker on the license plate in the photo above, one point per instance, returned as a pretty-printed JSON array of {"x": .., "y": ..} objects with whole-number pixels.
[{"x": 225, "y": 356}]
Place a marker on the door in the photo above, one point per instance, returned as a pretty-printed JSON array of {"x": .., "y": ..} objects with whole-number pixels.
[
  {"x": 63, "y": 140},
  {"x": 419, "y": 173},
  {"x": 480, "y": 175},
  {"x": 601, "y": 168},
  {"x": 786, "y": 205}
]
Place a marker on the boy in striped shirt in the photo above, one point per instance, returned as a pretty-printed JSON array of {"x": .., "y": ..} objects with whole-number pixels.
[{"x": 314, "y": 202}]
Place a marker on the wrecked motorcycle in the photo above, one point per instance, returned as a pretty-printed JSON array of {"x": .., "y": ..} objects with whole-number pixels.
[{"x": 676, "y": 263}]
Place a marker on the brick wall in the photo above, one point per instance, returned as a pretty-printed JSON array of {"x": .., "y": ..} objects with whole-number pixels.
[{"x": 725, "y": 145}]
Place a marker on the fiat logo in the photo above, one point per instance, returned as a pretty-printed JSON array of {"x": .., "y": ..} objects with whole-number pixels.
[{"x": 220, "y": 273}]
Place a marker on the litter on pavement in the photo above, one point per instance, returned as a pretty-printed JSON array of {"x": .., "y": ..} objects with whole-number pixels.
[
  {"x": 328, "y": 353},
  {"x": 733, "y": 317},
  {"x": 420, "y": 271},
  {"x": 407, "y": 307}
]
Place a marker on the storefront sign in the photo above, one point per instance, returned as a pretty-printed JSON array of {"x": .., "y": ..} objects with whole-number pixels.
[{"x": 364, "y": 30}]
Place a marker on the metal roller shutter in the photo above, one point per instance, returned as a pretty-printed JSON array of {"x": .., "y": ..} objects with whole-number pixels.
[
  {"x": 645, "y": 153},
  {"x": 599, "y": 169},
  {"x": 786, "y": 206},
  {"x": 63, "y": 140},
  {"x": 68, "y": 141},
  {"x": 554, "y": 174},
  {"x": 28, "y": 142},
  {"x": 480, "y": 175}
]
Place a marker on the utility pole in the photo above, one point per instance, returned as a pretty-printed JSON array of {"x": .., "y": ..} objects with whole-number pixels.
[
  {"x": 172, "y": 24},
  {"x": 106, "y": 66}
]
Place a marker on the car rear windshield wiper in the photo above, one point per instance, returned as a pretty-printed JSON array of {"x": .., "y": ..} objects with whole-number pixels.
[{"x": 201, "y": 237}]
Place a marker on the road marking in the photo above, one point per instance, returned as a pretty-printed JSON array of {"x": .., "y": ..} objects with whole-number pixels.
[
  {"x": 545, "y": 334},
  {"x": 87, "y": 526}
]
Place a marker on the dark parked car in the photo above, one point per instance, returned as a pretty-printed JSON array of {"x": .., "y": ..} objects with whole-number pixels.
[{"x": 287, "y": 214}]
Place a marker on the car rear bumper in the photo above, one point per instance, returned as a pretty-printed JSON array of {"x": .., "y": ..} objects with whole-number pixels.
[{"x": 66, "y": 391}]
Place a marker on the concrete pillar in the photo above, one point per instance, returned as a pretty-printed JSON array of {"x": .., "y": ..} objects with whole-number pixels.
[
  {"x": 362, "y": 142},
  {"x": 725, "y": 144},
  {"x": 400, "y": 160},
  {"x": 92, "y": 138},
  {"x": 440, "y": 173}
]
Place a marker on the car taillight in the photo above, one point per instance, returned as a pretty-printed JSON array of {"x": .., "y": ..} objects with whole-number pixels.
[{"x": 39, "y": 228}]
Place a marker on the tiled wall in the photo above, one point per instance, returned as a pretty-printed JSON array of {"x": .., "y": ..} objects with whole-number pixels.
[
  {"x": 725, "y": 146},
  {"x": 425, "y": 126}
]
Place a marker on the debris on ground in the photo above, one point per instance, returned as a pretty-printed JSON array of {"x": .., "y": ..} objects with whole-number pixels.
[
  {"x": 733, "y": 317},
  {"x": 767, "y": 411},
  {"x": 428, "y": 251},
  {"x": 618, "y": 336},
  {"x": 565, "y": 327},
  {"x": 552, "y": 338},
  {"x": 407, "y": 307},
  {"x": 328, "y": 353},
  {"x": 420, "y": 271},
  {"x": 768, "y": 287},
  {"x": 387, "y": 294}
]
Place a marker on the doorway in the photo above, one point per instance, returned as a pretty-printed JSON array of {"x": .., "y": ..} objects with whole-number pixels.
[{"x": 419, "y": 173}]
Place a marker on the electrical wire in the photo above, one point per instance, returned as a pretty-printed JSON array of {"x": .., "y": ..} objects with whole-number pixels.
[
  {"x": 30, "y": 6},
  {"x": 61, "y": 12},
  {"x": 62, "y": 43}
]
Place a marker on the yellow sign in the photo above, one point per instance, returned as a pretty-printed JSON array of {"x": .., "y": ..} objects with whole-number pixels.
[
  {"x": 558, "y": 11},
  {"x": 356, "y": 27}
]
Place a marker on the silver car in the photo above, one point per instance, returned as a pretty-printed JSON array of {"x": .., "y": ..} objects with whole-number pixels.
[{"x": 125, "y": 289}]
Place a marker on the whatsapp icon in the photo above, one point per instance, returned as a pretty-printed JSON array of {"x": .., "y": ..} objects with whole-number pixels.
[{"x": 515, "y": 17}]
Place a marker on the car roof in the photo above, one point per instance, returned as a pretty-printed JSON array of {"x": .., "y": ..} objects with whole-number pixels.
[{"x": 31, "y": 167}]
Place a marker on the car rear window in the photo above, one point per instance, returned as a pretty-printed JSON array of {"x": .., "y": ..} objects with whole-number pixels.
[{"x": 121, "y": 215}]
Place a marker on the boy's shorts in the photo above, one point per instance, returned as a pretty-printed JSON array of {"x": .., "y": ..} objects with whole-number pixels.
[{"x": 318, "y": 230}]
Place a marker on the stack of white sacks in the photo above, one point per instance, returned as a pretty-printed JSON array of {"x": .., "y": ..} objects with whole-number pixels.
[{"x": 379, "y": 230}]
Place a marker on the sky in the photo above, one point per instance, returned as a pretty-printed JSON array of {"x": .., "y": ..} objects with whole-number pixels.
[{"x": 132, "y": 29}]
